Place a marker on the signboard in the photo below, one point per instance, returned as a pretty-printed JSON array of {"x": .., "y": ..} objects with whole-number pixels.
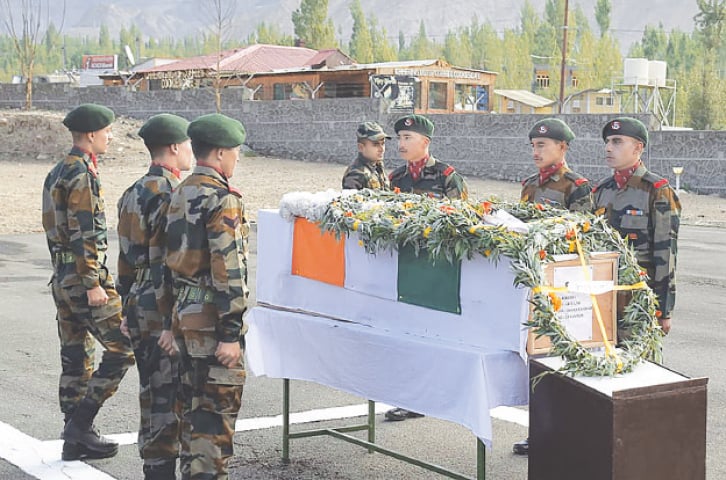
[
  {"x": 99, "y": 62},
  {"x": 400, "y": 91}
]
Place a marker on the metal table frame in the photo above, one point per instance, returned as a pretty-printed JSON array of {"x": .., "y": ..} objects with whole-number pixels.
[{"x": 341, "y": 433}]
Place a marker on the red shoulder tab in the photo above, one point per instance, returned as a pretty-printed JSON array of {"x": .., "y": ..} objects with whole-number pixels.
[
  {"x": 524, "y": 182},
  {"x": 580, "y": 181},
  {"x": 449, "y": 170},
  {"x": 594, "y": 189},
  {"x": 234, "y": 190},
  {"x": 661, "y": 183}
]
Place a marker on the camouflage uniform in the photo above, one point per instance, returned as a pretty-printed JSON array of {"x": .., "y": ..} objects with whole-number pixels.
[
  {"x": 364, "y": 174},
  {"x": 437, "y": 180},
  {"x": 144, "y": 282},
  {"x": 207, "y": 254},
  {"x": 565, "y": 189},
  {"x": 647, "y": 212},
  {"x": 74, "y": 220}
]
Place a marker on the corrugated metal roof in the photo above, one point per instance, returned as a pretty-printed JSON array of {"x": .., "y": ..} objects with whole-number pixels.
[{"x": 526, "y": 97}]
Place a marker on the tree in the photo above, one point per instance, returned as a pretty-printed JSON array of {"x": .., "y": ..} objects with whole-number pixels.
[
  {"x": 221, "y": 13},
  {"x": 383, "y": 50},
  {"x": 104, "y": 39},
  {"x": 421, "y": 47},
  {"x": 313, "y": 26},
  {"x": 361, "y": 44},
  {"x": 602, "y": 15},
  {"x": 269, "y": 34},
  {"x": 705, "y": 101},
  {"x": 25, "y": 24}
]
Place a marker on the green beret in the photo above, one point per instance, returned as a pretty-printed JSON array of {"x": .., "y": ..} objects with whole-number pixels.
[
  {"x": 371, "y": 131},
  {"x": 89, "y": 117},
  {"x": 415, "y": 123},
  {"x": 164, "y": 129},
  {"x": 217, "y": 130},
  {"x": 630, "y": 127},
  {"x": 553, "y": 128}
]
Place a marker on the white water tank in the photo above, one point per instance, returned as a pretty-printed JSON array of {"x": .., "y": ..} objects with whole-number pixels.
[
  {"x": 635, "y": 71},
  {"x": 657, "y": 72}
]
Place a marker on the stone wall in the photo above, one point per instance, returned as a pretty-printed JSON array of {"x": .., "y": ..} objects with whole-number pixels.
[{"x": 489, "y": 146}]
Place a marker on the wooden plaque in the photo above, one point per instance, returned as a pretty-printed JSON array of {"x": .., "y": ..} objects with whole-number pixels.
[{"x": 603, "y": 267}]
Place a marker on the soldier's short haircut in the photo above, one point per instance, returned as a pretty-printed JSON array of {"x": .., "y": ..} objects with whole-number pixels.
[
  {"x": 156, "y": 151},
  {"x": 202, "y": 149}
]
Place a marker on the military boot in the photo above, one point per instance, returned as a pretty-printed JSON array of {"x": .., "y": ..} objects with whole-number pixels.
[
  {"x": 163, "y": 471},
  {"x": 81, "y": 440}
]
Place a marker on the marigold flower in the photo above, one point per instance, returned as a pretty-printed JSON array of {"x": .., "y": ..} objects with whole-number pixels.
[
  {"x": 658, "y": 314},
  {"x": 348, "y": 214},
  {"x": 356, "y": 224},
  {"x": 570, "y": 234},
  {"x": 486, "y": 206},
  {"x": 556, "y": 301},
  {"x": 539, "y": 206},
  {"x": 586, "y": 227},
  {"x": 447, "y": 209},
  {"x": 542, "y": 254},
  {"x": 360, "y": 242},
  {"x": 427, "y": 232},
  {"x": 396, "y": 190},
  {"x": 572, "y": 247},
  {"x": 487, "y": 252}
]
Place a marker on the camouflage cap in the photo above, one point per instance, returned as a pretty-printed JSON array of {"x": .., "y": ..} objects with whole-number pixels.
[
  {"x": 217, "y": 130},
  {"x": 628, "y": 126},
  {"x": 553, "y": 128},
  {"x": 89, "y": 117},
  {"x": 415, "y": 123},
  {"x": 371, "y": 131},
  {"x": 164, "y": 129}
]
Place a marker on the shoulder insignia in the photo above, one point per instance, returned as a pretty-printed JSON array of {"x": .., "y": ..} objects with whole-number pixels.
[
  {"x": 235, "y": 191},
  {"x": 576, "y": 178},
  {"x": 656, "y": 180},
  {"x": 231, "y": 222},
  {"x": 531, "y": 178},
  {"x": 581, "y": 181},
  {"x": 449, "y": 170},
  {"x": 661, "y": 183}
]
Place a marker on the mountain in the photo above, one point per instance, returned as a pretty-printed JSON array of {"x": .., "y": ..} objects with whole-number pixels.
[{"x": 179, "y": 18}]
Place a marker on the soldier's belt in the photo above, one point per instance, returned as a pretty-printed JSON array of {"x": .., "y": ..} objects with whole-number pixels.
[
  {"x": 196, "y": 295},
  {"x": 70, "y": 257}
]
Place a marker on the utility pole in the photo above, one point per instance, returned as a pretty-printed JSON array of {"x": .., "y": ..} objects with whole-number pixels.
[{"x": 564, "y": 58}]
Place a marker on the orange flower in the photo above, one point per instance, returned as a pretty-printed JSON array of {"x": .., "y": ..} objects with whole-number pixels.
[
  {"x": 348, "y": 214},
  {"x": 539, "y": 206},
  {"x": 556, "y": 301},
  {"x": 447, "y": 209},
  {"x": 396, "y": 190},
  {"x": 570, "y": 234},
  {"x": 643, "y": 273},
  {"x": 658, "y": 314},
  {"x": 542, "y": 254},
  {"x": 586, "y": 227},
  {"x": 486, "y": 207},
  {"x": 487, "y": 252}
]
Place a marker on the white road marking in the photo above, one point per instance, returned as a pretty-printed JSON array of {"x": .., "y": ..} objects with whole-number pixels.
[{"x": 41, "y": 459}]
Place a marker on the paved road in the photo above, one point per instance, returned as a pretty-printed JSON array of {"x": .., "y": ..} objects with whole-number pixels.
[{"x": 30, "y": 421}]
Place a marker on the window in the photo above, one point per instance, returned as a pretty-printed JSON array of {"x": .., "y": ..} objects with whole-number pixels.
[
  {"x": 437, "y": 95},
  {"x": 281, "y": 91},
  {"x": 575, "y": 81},
  {"x": 543, "y": 80},
  {"x": 343, "y": 90},
  {"x": 465, "y": 98},
  {"x": 576, "y": 106},
  {"x": 604, "y": 101}
]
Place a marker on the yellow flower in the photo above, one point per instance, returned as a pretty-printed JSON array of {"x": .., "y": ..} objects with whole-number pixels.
[
  {"x": 355, "y": 225},
  {"x": 360, "y": 242},
  {"x": 427, "y": 232},
  {"x": 556, "y": 301},
  {"x": 572, "y": 247},
  {"x": 487, "y": 252},
  {"x": 585, "y": 227}
]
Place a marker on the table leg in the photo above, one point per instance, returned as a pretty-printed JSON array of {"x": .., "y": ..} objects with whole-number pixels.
[
  {"x": 371, "y": 423},
  {"x": 481, "y": 460},
  {"x": 286, "y": 420}
]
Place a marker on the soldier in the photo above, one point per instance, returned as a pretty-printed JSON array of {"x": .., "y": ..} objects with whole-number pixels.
[
  {"x": 367, "y": 171},
  {"x": 206, "y": 252},
  {"x": 88, "y": 305},
  {"x": 643, "y": 208},
  {"x": 144, "y": 283},
  {"x": 555, "y": 184},
  {"x": 423, "y": 173}
]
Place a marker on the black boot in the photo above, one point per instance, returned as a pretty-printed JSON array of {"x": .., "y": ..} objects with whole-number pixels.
[
  {"x": 66, "y": 417},
  {"x": 81, "y": 440},
  {"x": 164, "y": 471}
]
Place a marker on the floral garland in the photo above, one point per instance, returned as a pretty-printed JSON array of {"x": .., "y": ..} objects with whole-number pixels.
[{"x": 456, "y": 229}]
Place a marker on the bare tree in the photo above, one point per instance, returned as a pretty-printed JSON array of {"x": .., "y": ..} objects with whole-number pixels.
[
  {"x": 222, "y": 15},
  {"x": 26, "y": 21}
]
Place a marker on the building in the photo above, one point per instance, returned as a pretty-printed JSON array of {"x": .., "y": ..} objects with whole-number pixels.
[
  {"x": 522, "y": 101},
  {"x": 593, "y": 100}
]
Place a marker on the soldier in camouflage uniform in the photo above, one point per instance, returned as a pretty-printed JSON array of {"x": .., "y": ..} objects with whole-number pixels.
[
  {"x": 425, "y": 175},
  {"x": 144, "y": 283},
  {"x": 207, "y": 254},
  {"x": 367, "y": 170},
  {"x": 422, "y": 173},
  {"x": 643, "y": 208},
  {"x": 555, "y": 184},
  {"x": 87, "y": 303}
]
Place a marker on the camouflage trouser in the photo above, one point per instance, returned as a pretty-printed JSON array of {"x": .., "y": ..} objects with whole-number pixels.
[
  {"x": 78, "y": 325},
  {"x": 158, "y": 440},
  {"x": 211, "y": 397}
]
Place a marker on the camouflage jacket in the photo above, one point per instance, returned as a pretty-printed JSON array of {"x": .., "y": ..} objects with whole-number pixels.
[
  {"x": 646, "y": 212},
  {"x": 565, "y": 189},
  {"x": 364, "y": 174},
  {"x": 142, "y": 235},
  {"x": 207, "y": 246},
  {"x": 74, "y": 214},
  {"x": 437, "y": 179}
]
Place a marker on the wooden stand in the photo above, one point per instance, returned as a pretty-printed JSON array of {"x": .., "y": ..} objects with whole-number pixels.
[{"x": 645, "y": 425}]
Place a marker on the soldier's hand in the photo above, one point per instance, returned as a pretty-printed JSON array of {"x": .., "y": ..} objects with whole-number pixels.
[
  {"x": 665, "y": 324},
  {"x": 97, "y": 296},
  {"x": 229, "y": 354},
  {"x": 167, "y": 343},
  {"x": 125, "y": 328}
]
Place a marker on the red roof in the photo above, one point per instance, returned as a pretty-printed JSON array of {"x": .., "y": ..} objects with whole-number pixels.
[{"x": 252, "y": 59}]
